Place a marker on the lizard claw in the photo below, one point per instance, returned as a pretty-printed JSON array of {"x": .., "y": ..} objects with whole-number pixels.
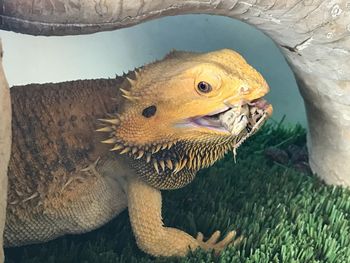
[{"x": 213, "y": 244}]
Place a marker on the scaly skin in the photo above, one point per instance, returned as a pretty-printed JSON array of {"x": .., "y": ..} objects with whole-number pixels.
[{"x": 63, "y": 180}]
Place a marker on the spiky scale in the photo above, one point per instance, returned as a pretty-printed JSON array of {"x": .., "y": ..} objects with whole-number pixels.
[
  {"x": 140, "y": 154},
  {"x": 189, "y": 164},
  {"x": 129, "y": 97},
  {"x": 148, "y": 157},
  {"x": 162, "y": 164},
  {"x": 110, "y": 141},
  {"x": 131, "y": 81},
  {"x": 191, "y": 156},
  {"x": 125, "y": 150},
  {"x": 105, "y": 129},
  {"x": 110, "y": 121},
  {"x": 194, "y": 163},
  {"x": 155, "y": 164},
  {"x": 177, "y": 167},
  {"x": 169, "y": 164},
  {"x": 158, "y": 148},
  {"x": 111, "y": 115},
  {"x": 134, "y": 150},
  {"x": 183, "y": 163},
  {"x": 19, "y": 193},
  {"x": 126, "y": 92},
  {"x": 137, "y": 74},
  {"x": 117, "y": 147}
]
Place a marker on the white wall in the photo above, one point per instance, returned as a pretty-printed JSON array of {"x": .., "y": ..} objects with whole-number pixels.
[{"x": 31, "y": 59}]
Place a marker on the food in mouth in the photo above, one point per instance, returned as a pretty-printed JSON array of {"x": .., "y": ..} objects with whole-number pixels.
[
  {"x": 240, "y": 120},
  {"x": 248, "y": 117}
]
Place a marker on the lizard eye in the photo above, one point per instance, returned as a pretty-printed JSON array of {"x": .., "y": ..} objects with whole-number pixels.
[{"x": 204, "y": 87}]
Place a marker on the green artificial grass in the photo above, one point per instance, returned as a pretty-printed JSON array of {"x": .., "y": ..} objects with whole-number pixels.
[{"x": 285, "y": 216}]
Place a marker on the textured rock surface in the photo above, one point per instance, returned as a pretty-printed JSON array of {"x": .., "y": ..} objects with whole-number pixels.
[
  {"x": 314, "y": 35},
  {"x": 5, "y": 146}
]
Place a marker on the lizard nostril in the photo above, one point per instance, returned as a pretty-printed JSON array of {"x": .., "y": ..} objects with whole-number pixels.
[{"x": 244, "y": 89}]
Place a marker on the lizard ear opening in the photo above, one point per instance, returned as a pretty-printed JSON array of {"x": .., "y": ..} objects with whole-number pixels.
[{"x": 149, "y": 111}]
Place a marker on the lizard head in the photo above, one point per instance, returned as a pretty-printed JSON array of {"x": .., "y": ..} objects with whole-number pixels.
[{"x": 196, "y": 106}]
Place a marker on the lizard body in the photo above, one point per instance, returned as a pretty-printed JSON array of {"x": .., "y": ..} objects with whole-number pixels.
[{"x": 165, "y": 122}]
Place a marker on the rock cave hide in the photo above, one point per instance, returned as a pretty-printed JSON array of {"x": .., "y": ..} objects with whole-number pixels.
[{"x": 314, "y": 36}]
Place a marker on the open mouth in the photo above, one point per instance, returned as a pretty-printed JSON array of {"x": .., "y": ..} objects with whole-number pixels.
[{"x": 240, "y": 120}]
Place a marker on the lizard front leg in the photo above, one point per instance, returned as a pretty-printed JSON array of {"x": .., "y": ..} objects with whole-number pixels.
[{"x": 144, "y": 204}]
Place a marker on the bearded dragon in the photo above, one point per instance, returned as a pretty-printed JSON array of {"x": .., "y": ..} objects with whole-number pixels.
[{"x": 158, "y": 125}]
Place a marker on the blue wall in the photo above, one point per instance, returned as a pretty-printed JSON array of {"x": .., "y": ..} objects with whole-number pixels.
[{"x": 31, "y": 59}]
